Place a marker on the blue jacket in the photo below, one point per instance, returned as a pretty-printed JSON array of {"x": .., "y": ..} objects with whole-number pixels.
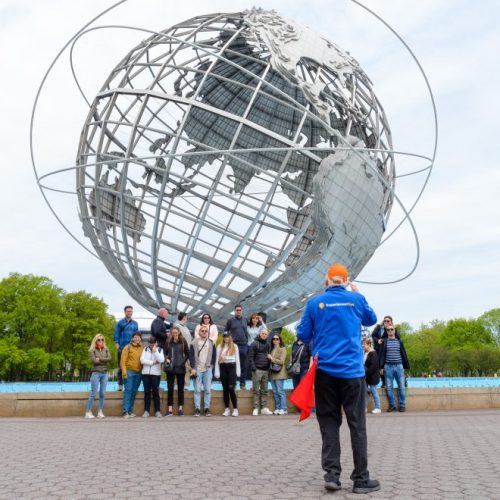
[
  {"x": 123, "y": 332},
  {"x": 332, "y": 320}
]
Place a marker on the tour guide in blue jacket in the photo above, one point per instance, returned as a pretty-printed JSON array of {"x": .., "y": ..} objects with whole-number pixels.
[{"x": 333, "y": 320}]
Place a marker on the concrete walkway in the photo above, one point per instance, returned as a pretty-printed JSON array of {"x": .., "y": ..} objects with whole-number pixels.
[{"x": 430, "y": 455}]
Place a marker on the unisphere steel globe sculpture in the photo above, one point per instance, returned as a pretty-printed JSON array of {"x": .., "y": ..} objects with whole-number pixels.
[{"x": 231, "y": 159}]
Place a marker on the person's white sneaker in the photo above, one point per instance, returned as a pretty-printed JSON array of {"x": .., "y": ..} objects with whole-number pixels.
[
  {"x": 227, "y": 412},
  {"x": 100, "y": 414},
  {"x": 131, "y": 415},
  {"x": 158, "y": 414},
  {"x": 236, "y": 413},
  {"x": 377, "y": 410},
  {"x": 89, "y": 414},
  {"x": 145, "y": 414},
  {"x": 276, "y": 412},
  {"x": 282, "y": 412},
  {"x": 255, "y": 412},
  {"x": 266, "y": 411}
]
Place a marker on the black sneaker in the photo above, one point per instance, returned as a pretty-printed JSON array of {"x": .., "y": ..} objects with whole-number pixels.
[
  {"x": 333, "y": 485},
  {"x": 207, "y": 413},
  {"x": 365, "y": 486},
  {"x": 197, "y": 412},
  {"x": 391, "y": 409},
  {"x": 402, "y": 409}
]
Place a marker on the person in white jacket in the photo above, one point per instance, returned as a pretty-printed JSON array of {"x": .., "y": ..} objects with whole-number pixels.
[
  {"x": 151, "y": 359},
  {"x": 227, "y": 368}
]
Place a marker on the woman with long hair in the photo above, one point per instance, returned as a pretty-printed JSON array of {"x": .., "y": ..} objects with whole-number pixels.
[
  {"x": 255, "y": 326},
  {"x": 206, "y": 320},
  {"x": 227, "y": 368},
  {"x": 100, "y": 358},
  {"x": 176, "y": 355},
  {"x": 277, "y": 358}
]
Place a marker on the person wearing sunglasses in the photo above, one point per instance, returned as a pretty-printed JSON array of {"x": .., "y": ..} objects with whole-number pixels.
[
  {"x": 277, "y": 358},
  {"x": 202, "y": 355},
  {"x": 206, "y": 320},
  {"x": 332, "y": 320},
  {"x": 379, "y": 334},
  {"x": 100, "y": 357},
  {"x": 393, "y": 362}
]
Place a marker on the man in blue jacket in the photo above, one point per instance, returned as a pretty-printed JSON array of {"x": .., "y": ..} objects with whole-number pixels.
[
  {"x": 124, "y": 330},
  {"x": 333, "y": 320}
]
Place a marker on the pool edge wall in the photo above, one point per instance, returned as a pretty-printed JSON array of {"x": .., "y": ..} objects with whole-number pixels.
[{"x": 72, "y": 404}]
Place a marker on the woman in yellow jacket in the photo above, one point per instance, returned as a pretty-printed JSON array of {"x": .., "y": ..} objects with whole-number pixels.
[
  {"x": 278, "y": 377},
  {"x": 131, "y": 366}
]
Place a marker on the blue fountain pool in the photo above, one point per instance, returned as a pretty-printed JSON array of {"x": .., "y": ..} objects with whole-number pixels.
[{"x": 113, "y": 386}]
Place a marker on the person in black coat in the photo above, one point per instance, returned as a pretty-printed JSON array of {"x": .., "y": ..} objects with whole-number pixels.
[
  {"x": 159, "y": 328},
  {"x": 300, "y": 352},
  {"x": 259, "y": 361},
  {"x": 176, "y": 355},
  {"x": 372, "y": 372}
]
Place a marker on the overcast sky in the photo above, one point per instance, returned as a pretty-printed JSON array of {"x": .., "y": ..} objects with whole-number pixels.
[{"x": 457, "y": 219}]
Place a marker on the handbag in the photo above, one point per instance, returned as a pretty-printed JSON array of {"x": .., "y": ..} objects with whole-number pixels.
[
  {"x": 294, "y": 367},
  {"x": 168, "y": 366},
  {"x": 274, "y": 367}
]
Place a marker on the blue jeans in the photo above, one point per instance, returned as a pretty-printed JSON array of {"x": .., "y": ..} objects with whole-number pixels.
[
  {"x": 396, "y": 372},
  {"x": 97, "y": 380},
  {"x": 204, "y": 378},
  {"x": 130, "y": 388},
  {"x": 374, "y": 392},
  {"x": 278, "y": 387}
]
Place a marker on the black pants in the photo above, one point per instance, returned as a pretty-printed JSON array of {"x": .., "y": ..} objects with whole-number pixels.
[
  {"x": 243, "y": 352},
  {"x": 331, "y": 395},
  {"x": 228, "y": 380},
  {"x": 171, "y": 378},
  {"x": 120, "y": 377},
  {"x": 151, "y": 385}
]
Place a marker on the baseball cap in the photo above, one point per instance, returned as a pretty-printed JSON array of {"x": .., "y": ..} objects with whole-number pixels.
[{"x": 337, "y": 273}]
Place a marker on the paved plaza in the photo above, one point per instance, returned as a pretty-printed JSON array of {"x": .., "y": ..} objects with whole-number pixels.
[{"x": 430, "y": 455}]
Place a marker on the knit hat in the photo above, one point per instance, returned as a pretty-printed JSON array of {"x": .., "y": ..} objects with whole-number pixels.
[{"x": 337, "y": 273}]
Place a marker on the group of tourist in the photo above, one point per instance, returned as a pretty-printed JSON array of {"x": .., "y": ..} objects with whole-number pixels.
[
  {"x": 246, "y": 351},
  {"x": 329, "y": 329}
]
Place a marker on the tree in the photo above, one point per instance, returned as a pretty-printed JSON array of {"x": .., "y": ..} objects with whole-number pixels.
[
  {"x": 85, "y": 317},
  {"x": 466, "y": 333},
  {"x": 491, "y": 321},
  {"x": 44, "y": 330},
  {"x": 419, "y": 347}
]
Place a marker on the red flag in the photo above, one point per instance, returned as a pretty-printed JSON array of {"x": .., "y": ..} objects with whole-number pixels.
[{"x": 303, "y": 395}]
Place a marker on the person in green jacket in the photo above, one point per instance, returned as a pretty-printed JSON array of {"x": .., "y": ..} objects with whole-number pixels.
[
  {"x": 100, "y": 357},
  {"x": 277, "y": 358}
]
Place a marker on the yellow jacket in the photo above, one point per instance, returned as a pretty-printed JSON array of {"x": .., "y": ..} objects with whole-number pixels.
[{"x": 131, "y": 359}]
